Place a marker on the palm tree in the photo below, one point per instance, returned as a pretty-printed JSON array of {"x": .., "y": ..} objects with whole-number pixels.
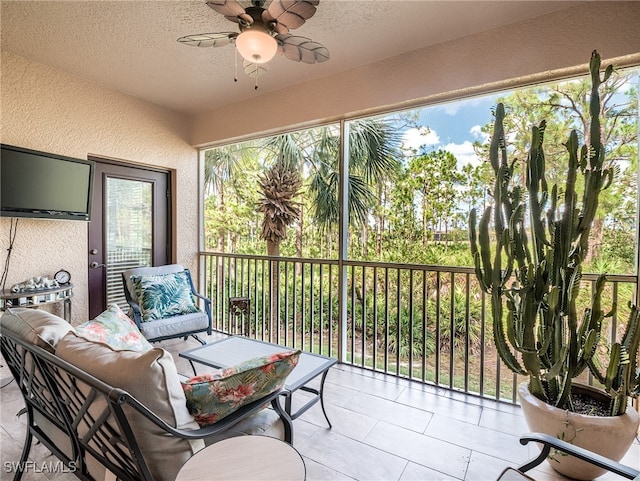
[
  {"x": 373, "y": 158},
  {"x": 221, "y": 165},
  {"x": 279, "y": 185}
]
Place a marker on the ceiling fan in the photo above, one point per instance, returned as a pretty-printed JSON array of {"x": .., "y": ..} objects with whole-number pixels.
[{"x": 264, "y": 32}]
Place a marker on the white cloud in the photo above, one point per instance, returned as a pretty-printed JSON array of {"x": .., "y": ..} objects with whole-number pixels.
[
  {"x": 416, "y": 138},
  {"x": 478, "y": 134},
  {"x": 464, "y": 153},
  {"x": 452, "y": 108}
]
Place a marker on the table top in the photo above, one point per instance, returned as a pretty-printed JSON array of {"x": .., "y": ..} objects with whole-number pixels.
[
  {"x": 242, "y": 458},
  {"x": 234, "y": 350}
]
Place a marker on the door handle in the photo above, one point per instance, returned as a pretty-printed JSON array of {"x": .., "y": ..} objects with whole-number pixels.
[{"x": 95, "y": 265}]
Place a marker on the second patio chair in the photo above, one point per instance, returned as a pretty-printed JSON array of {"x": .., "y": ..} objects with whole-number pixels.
[{"x": 164, "y": 303}]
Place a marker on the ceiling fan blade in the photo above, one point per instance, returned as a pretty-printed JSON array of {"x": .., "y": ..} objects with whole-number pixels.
[
  {"x": 290, "y": 14},
  {"x": 231, "y": 10},
  {"x": 219, "y": 39},
  {"x": 253, "y": 69},
  {"x": 302, "y": 49}
]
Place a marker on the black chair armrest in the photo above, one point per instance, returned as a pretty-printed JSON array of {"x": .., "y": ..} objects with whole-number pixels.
[
  {"x": 207, "y": 301},
  {"x": 135, "y": 308},
  {"x": 549, "y": 442},
  {"x": 137, "y": 313}
]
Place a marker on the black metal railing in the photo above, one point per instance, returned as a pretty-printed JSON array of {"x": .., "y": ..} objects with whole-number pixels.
[{"x": 423, "y": 322}]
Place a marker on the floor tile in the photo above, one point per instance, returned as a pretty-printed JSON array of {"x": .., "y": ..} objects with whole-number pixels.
[
  {"x": 320, "y": 472},
  {"x": 503, "y": 421},
  {"x": 416, "y": 472},
  {"x": 344, "y": 421},
  {"x": 427, "y": 451},
  {"x": 352, "y": 458},
  {"x": 441, "y": 405},
  {"x": 395, "y": 413},
  {"x": 482, "y": 467},
  {"x": 477, "y": 438},
  {"x": 366, "y": 384}
]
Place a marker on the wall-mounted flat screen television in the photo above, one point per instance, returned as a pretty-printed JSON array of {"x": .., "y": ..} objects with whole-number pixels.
[{"x": 42, "y": 185}]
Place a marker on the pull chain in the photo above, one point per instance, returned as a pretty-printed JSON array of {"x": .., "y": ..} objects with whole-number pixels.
[
  {"x": 235, "y": 76},
  {"x": 256, "y": 83}
]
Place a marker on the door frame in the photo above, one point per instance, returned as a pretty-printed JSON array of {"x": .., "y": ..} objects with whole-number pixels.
[{"x": 163, "y": 250}]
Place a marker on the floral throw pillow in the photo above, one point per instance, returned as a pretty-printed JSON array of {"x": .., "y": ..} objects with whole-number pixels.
[
  {"x": 115, "y": 328},
  {"x": 213, "y": 396},
  {"x": 162, "y": 296}
]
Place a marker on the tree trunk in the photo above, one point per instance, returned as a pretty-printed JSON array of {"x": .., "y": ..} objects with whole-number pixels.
[
  {"x": 273, "y": 249},
  {"x": 595, "y": 240},
  {"x": 424, "y": 222},
  {"x": 299, "y": 241},
  {"x": 364, "y": 241},
  {"x": 220, "y": 189},
  {"x": 379, "y": 223}
]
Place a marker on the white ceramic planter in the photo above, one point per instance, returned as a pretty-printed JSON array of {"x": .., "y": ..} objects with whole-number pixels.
[{"x": 610, "y": 436}]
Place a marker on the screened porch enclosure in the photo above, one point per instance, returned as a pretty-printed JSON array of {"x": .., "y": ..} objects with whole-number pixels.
[{"x": 374, "y": 265}]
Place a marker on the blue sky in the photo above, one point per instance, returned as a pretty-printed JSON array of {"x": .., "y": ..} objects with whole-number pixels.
[{"x": 453, "y": 126}]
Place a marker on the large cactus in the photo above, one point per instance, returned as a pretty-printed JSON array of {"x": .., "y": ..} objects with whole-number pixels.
[{"x": 533, "y": 268}]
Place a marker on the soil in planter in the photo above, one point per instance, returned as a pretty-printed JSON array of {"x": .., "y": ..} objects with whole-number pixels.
[{"x": 584, "y": 404}]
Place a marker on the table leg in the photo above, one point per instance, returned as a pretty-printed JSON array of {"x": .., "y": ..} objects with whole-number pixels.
[
  {"x": 193, "y": 367},
  {"x": 319, "y": 396},
  {"x": 324, "y": 376},
  {"x": 287, "y": 421},
  {"x": 67, "y": 309}
]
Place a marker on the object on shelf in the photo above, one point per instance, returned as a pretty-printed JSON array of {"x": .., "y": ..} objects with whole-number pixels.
[
  {"x": 35, "y": 284},
  {"x": 62, "y": 277}
]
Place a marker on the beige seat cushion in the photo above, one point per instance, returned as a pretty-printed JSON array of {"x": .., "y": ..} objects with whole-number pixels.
[
  {"x": 150, "y": 377},
  {"x": 40, "y": 328}
]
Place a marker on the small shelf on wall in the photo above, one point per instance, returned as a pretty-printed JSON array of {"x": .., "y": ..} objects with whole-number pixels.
[{"x": 39, "y": 297}]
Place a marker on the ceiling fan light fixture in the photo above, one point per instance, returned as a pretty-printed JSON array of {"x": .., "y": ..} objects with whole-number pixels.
[{"x": 256, "y": 45}]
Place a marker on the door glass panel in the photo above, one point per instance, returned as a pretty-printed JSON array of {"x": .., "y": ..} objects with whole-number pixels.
[{"x": 129, "y": 223}]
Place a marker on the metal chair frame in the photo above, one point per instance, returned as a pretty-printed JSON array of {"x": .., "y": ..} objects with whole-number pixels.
[{"x": 549, "y": 442}]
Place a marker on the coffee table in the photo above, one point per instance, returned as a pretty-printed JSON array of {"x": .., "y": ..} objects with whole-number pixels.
[{"x": 233, "y": 350}]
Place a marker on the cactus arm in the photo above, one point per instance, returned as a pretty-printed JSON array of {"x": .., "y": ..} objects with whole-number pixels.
[
  {"x": 473, "y": 235},
  {"x": 498, "y": 137},
  {"x": 535, "y": 180},
  {"x": 485, "y": 250},
  {"x": 594, "y": 107},
  {"x": 615, "y": 357},
  {"x": 500, "y": 336},
  {"x": 473, "y": 243}
]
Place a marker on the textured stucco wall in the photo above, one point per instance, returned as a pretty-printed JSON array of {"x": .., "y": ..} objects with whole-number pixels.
[
  {"x": 49, "y": 110},
  {"x": 557, "y": 41}
]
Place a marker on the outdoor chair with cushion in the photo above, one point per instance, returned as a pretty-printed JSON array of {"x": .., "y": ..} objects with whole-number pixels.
[
  {"x": 163, "y": 302},
  {"x": 548, "y": 443}
]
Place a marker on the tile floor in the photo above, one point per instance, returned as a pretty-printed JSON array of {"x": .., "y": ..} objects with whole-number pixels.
[{"x": 384, "y": 428}]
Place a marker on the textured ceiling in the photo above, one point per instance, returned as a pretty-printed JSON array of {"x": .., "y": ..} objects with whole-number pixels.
[{"x": 130, "y": 46}]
